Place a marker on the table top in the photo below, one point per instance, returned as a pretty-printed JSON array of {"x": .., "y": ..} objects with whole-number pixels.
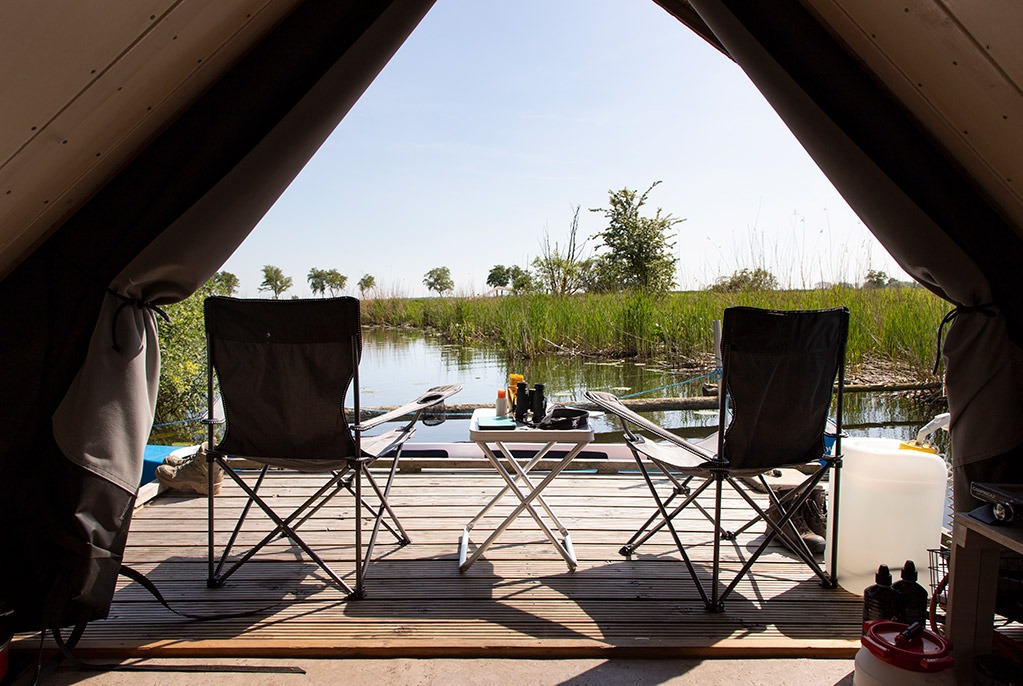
[
  {"x": 1008, "y": 536},
  {"x": 524, "y": 434}
]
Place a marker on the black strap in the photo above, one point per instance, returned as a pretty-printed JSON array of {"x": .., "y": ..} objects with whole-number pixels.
[
  {"x": 127, "y": 302},
  {"x": 38, "y": 671},
  {"x": 147, "y": 583},
  {"x": 950, "y": 317}
]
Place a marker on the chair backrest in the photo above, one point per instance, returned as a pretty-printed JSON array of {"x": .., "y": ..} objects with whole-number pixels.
[
  {"x": 778, "y": 370},
  {"x": 284, "y": 368}
]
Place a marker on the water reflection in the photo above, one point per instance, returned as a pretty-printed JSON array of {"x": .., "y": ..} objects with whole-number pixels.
[{"x": 397, "y": 365}]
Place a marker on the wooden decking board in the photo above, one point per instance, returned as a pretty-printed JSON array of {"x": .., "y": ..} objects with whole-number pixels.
[{"x": 519, "y": 600}]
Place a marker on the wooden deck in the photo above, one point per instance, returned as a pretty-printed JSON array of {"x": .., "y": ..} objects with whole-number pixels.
[{"x": 520, "y": 599}]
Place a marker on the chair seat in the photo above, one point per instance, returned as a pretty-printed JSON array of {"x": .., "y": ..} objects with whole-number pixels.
[{"x": 674, "y": 456}]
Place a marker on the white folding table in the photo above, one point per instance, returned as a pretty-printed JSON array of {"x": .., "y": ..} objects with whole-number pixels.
[{"x": 519, "y": 483}]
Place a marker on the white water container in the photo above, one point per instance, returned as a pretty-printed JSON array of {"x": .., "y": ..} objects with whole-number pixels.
[{"x": 891, "y": 510}]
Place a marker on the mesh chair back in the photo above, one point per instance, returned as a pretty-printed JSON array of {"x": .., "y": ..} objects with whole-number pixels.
[
  {"x": 779, "y": 370},
  {"x": 284, "y": 367}
]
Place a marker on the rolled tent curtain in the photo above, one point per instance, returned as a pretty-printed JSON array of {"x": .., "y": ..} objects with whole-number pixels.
[
  {"x": 80, "y": 369},
  {"x": 920, "y": 207}
]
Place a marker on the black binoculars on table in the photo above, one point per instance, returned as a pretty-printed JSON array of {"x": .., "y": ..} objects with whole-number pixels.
[{"x": 527, "y": 401}]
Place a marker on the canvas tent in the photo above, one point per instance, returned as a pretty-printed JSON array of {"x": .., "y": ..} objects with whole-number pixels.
[{"x": 142, "y": 140}]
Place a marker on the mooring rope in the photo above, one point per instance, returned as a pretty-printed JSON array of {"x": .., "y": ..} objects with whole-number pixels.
[{"x": 712, "y": 374}]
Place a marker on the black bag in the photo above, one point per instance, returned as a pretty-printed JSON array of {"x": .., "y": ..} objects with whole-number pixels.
[{"x": 563, "y": 418}]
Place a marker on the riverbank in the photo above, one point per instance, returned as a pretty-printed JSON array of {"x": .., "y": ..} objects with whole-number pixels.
[{"x": 892, "y": 326}]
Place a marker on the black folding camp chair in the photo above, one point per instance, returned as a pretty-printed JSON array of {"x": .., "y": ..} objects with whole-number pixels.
[
  {"x": 779, "y": 370},
  {"x": 284, "y": 368}
]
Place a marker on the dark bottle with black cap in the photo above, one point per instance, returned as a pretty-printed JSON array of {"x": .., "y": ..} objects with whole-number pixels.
[
  {"x": 879, "y": 600},
  {"x": 910, "y": 597}
]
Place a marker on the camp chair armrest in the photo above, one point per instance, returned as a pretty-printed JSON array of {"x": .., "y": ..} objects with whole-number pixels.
[
  {"x": 613, "y": 405},
  {"x": 679, "y": 457},
  {"x": 433, "y": 396}
]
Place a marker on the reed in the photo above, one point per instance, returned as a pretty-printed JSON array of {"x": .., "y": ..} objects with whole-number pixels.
[{"x": 893, "y": 324}]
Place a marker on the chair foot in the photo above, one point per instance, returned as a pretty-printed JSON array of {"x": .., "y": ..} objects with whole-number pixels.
[
  {"x": 404, "y": 542},
  {"x": 830, "y": 583},
  {"x": 357, "y": 594},
  {"x": 214, "y": 582},
  {"x": 728, "y": 535},
  {"x": 626, "y": 550},
  {"x": 715, "y": 607}
]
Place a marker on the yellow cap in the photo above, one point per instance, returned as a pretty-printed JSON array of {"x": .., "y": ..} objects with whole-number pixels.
[{"x": 913, "y": 445}]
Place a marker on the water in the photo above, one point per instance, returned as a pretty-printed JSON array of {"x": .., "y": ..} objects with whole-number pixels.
[{"x": 398, "y": 365}]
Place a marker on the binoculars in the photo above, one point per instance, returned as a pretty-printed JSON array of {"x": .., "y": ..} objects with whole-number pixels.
[{"x": 527, "y": 401}]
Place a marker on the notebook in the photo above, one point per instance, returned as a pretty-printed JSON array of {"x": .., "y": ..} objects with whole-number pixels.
[{"x": 497, "y": 423}]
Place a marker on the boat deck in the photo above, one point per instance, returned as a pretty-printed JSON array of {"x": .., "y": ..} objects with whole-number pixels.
[{"x": 519, "y": 600}]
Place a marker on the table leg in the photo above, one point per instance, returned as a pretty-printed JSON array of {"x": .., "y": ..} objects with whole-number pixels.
[
  {"x": 494, "y": 460},
  {"x": 971, "y": 598},
  {"x": 522, "y": 473},
  {"x": 564, "y": 549}
]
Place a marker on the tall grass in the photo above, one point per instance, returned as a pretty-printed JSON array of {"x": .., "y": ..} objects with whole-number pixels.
[{"x": 895, "y": 324}]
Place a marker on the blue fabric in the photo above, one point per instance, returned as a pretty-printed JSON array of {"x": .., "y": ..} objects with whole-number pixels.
[{"x": 153, "y": 458}]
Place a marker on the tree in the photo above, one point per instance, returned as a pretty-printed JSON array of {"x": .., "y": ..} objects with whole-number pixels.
[
  {"x": 317, "y": 281},
  {"x": 498, "y": 276},
  {"x": 224, "y": 283},
  {"x": 521, "y": 280},
  {"x": 596, "y": 275},
  {"x": 322, "y": 280},
  {"x": 439, "y": 279},
  {"x": 183, "y": 353},
  {"x": 560, "y": 273},
  {"x": 758, "y": 279},
  {"x": 639, "y": 249},
  {"x": 335, "y": 281},
  {"x": 366, "y": 283},
  {"x": 274, "y": 280},
  {"x": 877, "y": 279}
]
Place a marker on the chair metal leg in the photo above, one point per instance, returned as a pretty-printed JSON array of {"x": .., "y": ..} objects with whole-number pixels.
[
  {"x": 773, "y": 530},
  {"x": 642, "y": 535},
  {"x": 284, "y": 526},
  {"x": 211, "y": 577},
  {"x": 378, "y": 514},
  {"x": 836, "y": 484},
  {"x": 717, "y": 602},
  {"x": 346, "y": 485},
  {"x": 794, "y": 495},
  {"x": 396, "y": 529},
  {"x": 241, "y": 518},
  {"x": 360, "y": 589},
  {"x": 671, "y": 527},
  {"x": 678, "y": 488}
]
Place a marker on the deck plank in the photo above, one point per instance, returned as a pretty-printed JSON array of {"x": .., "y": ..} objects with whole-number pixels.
[{"x": 519, "y": 600}]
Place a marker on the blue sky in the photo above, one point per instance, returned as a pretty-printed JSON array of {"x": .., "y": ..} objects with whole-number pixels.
[{"x": 495, "y": 120}]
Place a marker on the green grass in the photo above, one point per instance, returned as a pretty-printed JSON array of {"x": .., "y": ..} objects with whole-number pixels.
[{"x": 895, "y": 324}]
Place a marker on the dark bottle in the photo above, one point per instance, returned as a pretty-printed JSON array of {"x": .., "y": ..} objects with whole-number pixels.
[
  {"x": 910, "y": 597},
  {"x": 879, "y": 599}
]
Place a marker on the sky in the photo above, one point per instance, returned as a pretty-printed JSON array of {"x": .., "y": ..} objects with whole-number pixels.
[{"x": 495, "y": 120}]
